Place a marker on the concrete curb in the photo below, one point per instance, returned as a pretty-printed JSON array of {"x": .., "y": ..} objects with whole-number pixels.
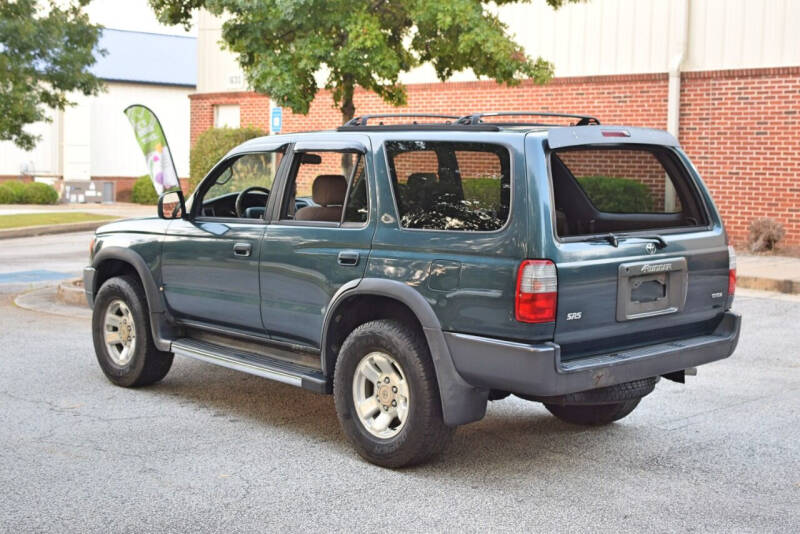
[
  {"x": 71, "y": 293},
  {"x": 790, "y": 287},
  {"x": 45, "y": 300},
  {"x": 33, "y": 231}
]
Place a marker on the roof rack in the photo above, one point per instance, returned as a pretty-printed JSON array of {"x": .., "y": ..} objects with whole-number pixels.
[
  {"x": 362, "y": 120},
  {"x": 477, "y": 118}
]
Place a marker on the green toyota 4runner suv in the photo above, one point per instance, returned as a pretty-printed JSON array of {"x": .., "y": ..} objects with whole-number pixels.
[{"x": 438, "y": 265}]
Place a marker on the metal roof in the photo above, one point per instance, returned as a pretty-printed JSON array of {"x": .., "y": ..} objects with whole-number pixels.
[{"x": 151, "y": 58}]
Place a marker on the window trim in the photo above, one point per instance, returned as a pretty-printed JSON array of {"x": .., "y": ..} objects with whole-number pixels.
[{"x": 511, "y": 174}]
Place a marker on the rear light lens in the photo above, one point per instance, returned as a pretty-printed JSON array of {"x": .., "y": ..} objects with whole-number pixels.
[
  {"x": 731, "y": 271},
  {"x": 537, "y": 292}
]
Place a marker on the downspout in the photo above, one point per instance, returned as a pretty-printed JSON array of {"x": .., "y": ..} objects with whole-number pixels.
[{"x": 674, "y": 91}]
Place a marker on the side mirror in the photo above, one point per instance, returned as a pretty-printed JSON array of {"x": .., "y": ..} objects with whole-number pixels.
[{"x": 171, "y": 205}]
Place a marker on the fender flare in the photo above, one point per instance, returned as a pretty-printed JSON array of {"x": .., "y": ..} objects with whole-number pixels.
[
  {"x": 461, "y": 402},
  {"x": 163, "y": 332},
  {"x": 154, "y": 301}
]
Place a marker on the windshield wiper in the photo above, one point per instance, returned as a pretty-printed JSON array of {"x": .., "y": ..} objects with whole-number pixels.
[
  {"x": 660, "y": 243},
  {"x": 614, "y": 239},
  {"x": 609, "y": 237}
]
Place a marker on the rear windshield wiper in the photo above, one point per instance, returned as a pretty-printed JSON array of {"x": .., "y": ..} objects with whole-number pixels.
[
  {"x": 660, "y": 243},
  {"x": 614, "y": 239},
  {"x": 611, "y": 238}
]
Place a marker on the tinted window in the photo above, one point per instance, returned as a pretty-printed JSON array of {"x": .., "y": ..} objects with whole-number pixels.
[
  {"x": 622, "y": 189},
  {"x": 450, "y": 186},
  {"x": 623, "y": 181},
  {"x": 356, "y": 207}
]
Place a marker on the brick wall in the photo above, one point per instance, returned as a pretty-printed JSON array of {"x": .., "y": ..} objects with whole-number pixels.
[{"x": 739, "y": 127}]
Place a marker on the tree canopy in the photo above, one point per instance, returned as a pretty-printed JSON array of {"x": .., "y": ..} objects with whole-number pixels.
[
  {"x": 45, "y": 53},
  {"x": 281, "y": 45}
]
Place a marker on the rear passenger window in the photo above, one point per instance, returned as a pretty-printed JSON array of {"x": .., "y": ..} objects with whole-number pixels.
[
  {"x": 612, "y": 189},
  {"x": 450, "y": 186}
]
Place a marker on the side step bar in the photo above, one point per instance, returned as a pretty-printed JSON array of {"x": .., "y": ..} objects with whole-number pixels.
[{"x": 254, "y": 364}]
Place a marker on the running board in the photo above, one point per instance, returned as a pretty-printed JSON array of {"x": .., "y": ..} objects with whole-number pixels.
[{"x": 254, "y": 364}]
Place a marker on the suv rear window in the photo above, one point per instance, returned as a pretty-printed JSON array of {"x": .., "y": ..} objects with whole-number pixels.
[
  {"x": 611, "y": 189},
  {"x": 450, "y": 186}
]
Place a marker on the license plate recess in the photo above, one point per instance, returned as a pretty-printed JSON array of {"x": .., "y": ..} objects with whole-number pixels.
[{"x": 650, "y": 288}]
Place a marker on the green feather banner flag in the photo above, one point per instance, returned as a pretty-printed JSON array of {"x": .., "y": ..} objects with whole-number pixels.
[{"x": 153, "y": 143}]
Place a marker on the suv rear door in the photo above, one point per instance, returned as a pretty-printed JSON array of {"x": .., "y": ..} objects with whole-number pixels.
[
  {"x": 309, "y": 254},
  {"x": 631, "y": 279}
]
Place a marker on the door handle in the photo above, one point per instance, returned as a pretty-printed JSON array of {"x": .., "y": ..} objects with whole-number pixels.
[
  {"x": 348, "y": 257},
  {"x": 242, "y": 249}
]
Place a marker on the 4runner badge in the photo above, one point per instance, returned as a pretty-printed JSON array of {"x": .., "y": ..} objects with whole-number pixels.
[{"x": 574, "y": 316}]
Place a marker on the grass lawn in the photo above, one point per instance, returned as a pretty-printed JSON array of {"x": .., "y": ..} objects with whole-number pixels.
[{"x": 39, "y": 219}]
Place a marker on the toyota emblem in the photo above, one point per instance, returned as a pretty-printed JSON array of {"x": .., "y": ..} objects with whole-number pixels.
[{"x": 650, "y": 248}]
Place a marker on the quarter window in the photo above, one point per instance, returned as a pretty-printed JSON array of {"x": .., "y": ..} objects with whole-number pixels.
[{"x": 450, "y": 186}]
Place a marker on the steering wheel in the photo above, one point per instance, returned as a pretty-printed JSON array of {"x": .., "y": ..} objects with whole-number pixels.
[{"x": 240, "y": 198}]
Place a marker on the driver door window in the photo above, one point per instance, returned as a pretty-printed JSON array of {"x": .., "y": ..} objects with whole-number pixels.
[{"x": 241, "y": 189}]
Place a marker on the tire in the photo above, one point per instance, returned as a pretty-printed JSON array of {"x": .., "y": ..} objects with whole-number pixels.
[
  {"x": 143, "y": 364},
  {"x": 422, "y": 434},
  {"x": 593, "y": 414}
]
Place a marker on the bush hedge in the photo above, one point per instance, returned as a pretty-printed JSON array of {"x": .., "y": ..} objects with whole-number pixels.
[
  {"x": 39, "y": 193},
  {"x": 212, "y": 145},
  {"x": 617, "y": 195},
  {"x": 143, "y": 191},
  {"x": 16, "y": 192}
]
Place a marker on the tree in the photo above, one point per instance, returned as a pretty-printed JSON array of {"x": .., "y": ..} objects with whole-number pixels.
[
  {"x": 45, "y": 52},
  {"x": 282, "y": 45}
]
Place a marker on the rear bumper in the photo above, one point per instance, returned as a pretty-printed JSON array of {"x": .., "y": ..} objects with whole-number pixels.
[
  {"x": 537, "y": 370},
  {"x": 88, "y": 284}
]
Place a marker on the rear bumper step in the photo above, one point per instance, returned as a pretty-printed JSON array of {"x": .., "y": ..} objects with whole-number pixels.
[
  {"x": 254, "y": 364},
  {"x": 538, "y": 370}
]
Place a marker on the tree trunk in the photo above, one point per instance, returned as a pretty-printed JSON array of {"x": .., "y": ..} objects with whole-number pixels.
[{"x": 348, "y": 110}]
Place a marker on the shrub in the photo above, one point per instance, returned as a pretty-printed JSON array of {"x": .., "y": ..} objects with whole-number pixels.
[
  {"x": 6, "y": 195},
  {"x": 765, "y": 234},
  {"x": 617, "y": 195},
  {"x": 16, "y": 192},
  {"x": 212, "y": 145},
  {"x": 39, "y": 193},
  {"x": 143, "y": 191},
  {"x": 13, "y": 192}
]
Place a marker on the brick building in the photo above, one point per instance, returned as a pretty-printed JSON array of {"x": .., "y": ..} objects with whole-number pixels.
[{"x": 724, "y": 76}]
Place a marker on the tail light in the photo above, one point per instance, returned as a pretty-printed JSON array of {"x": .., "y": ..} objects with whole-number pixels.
[
  {"x": 731, "y": 271},
  {"x": 537, "y": 292}
]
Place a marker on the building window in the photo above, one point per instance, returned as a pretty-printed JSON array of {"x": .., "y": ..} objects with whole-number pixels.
[{"x": 226, "y": 116}]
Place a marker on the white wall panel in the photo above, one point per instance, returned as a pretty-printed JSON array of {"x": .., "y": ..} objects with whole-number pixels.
[
  {"x": 114, "y": 151},
  {"x": 42, "y": 160}
]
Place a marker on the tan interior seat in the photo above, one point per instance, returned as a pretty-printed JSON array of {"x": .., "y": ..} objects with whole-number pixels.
[{"x": 328, "y": 190}]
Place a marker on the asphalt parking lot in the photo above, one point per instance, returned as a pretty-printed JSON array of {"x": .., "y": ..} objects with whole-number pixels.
[{"x": 209, "y": 449}]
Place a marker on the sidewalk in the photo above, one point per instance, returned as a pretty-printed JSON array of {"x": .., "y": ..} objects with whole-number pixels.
[
  {"x": 769, "y": 273},
  {"x": 117, "y": 209}
]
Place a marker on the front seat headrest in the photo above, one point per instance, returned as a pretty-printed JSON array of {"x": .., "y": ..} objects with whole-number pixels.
[{"x": 329, "y": 189}]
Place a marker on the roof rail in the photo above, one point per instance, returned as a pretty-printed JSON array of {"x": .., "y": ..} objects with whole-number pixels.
[
  {"x": 362, "y": 120},
  {"x": 477, "y": 118}
]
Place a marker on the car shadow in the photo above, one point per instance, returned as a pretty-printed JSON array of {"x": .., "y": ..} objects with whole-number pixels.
[{"x": 514, "y": 435}]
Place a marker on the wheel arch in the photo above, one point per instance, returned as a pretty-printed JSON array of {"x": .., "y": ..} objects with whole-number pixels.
[
  {"x": 114, "y": 261},
  {"x": 374, "y": 298}
]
